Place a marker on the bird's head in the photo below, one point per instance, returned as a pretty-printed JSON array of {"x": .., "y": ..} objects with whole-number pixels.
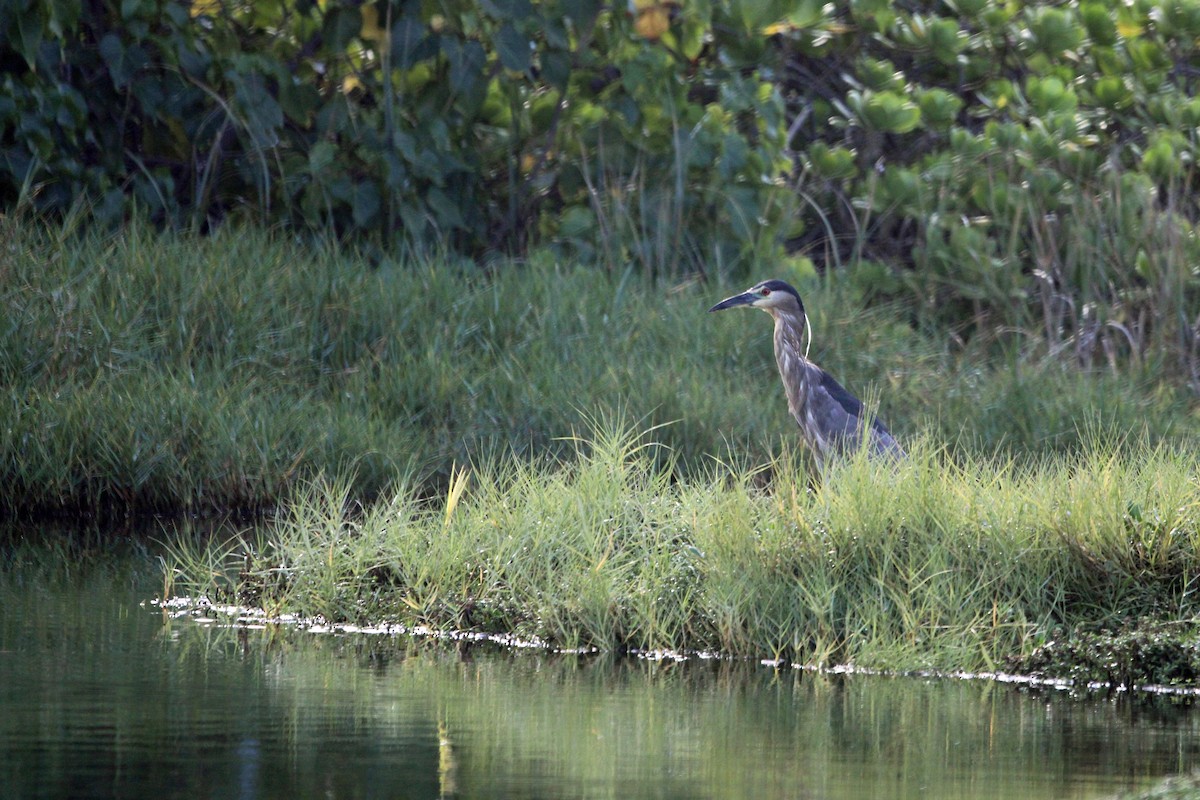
[{"x": 773, "y": 296}]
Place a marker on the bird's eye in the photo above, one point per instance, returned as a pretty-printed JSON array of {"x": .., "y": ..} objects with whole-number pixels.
[{"x": 764, "y": 291}]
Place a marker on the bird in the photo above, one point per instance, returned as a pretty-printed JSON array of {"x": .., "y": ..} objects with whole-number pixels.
[{"x": 832, "y": 421}]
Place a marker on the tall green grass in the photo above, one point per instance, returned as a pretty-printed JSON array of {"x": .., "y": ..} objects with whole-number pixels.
[
  {"x": 934, "y": 562},
  {"x": 159, "y": 372}
]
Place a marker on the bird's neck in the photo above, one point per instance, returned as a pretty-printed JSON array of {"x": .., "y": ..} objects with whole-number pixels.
[
  {"x": 789, "y": 333},
  {"x": 793, "y": 366}
]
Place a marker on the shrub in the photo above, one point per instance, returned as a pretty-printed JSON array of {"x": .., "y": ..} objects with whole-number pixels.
[
  {"x": 1025, "y": 168},
  {"x": 475, "y": 125}
]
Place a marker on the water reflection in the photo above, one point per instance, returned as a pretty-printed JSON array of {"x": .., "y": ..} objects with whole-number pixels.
[{"x": 100, "y": 696}]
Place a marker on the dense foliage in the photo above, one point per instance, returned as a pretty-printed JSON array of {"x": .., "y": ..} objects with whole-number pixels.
[
  {"x": 1017, "y": 166},
  {"x": 1027, "y": 157},
  {"x": 476, "y": 124}
]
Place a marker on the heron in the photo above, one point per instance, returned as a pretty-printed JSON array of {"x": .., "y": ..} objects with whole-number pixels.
[{"x": 832, "y": 421}]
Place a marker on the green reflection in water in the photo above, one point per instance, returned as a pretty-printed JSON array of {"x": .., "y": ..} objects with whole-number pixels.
[{"x": 102, "y": 696}]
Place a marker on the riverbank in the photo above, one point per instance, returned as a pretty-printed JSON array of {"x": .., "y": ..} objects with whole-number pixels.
[{"x": 937, "y": 563}]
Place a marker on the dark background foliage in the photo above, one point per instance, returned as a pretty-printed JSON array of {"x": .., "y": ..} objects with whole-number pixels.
[{"x": 485, "y": 126}]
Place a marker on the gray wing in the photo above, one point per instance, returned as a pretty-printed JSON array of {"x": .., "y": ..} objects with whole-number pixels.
[{"x": 840, "y": 415}]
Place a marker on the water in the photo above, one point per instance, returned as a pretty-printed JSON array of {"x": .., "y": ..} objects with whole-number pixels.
[{"x": 101, "y": 696}]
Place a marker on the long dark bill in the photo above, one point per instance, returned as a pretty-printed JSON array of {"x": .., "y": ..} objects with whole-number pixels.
[{"x": 743, "y": 299}]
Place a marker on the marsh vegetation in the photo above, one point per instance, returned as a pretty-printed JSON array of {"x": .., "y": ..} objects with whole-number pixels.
[
  {"x": 416, "y": 295},
  {"x": 966, "y": 563}
]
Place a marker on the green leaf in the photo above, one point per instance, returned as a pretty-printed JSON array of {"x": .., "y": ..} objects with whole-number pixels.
[
  {"x": 513, "y": 48},
  {"x": 1054, "y": 30},
  {"x": 467, "y": 63},
  {"x": 1111, "y": 92},
  {"x": 130, "y": 9},
  {"x": 30, "y": 29},
  {"x": 1161, "y": 160},
  {"x": 64, "y": 16},
  {"x": 901, "y": 186},
  {"x": 364, "y": 203},
  {"x": 410, "y": 43},
  {"x": 1050, "y": 94},
  {"x": 507, "y": 9},
  {"x": 113, "y": 52},
  {"x": 178, "y": 14},
  {"x": 800, "y": 15},
  {"x": 939, "y": 108},
  {"x": 554, "y": 33},
  {"x": 298, "y": 100},
  {"x": 1109, "y": 61},
  {"x": 406, "y": 146},
  {"x": 446, "y": 214},
  {"x": 334, "y": 116},
  {"x": 885, "y": 111},
  {"x": 744, "y": 206},
  {"x": 946, "y": 40},
  {"x": 556, "y": 69},
  {"x": 261, "y": 112},
  {"x": 581, "y": 12},
  {"x": 340, "y": 26},
  {"x": 832, "y": 163},
  {"x": 320, "y": 157},
  {"x": 576, "y": 222},
  {"x": 879, "y": 74},
  {"x": 734, "y": 155},
  {"x": 966, "y": 145},
  {"x": 1099, "y": 23},
  {"x": 1147, "y": 56}
]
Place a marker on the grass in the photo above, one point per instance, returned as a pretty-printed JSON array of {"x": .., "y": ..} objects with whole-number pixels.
[
  {"x": 148, "y": 372},
  {"x": 452, "y": 412},
  {"x": 940, "y": 562}
]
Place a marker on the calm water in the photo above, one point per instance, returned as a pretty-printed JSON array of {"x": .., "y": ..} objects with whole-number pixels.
[{"x": 100, "y": 696}]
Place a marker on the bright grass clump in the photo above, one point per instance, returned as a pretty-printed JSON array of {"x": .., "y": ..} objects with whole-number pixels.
[{"x": 935, "y": 562}]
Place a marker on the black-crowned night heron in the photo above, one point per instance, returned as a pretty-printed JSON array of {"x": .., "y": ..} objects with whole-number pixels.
[{"x": 831, "y": 419}]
